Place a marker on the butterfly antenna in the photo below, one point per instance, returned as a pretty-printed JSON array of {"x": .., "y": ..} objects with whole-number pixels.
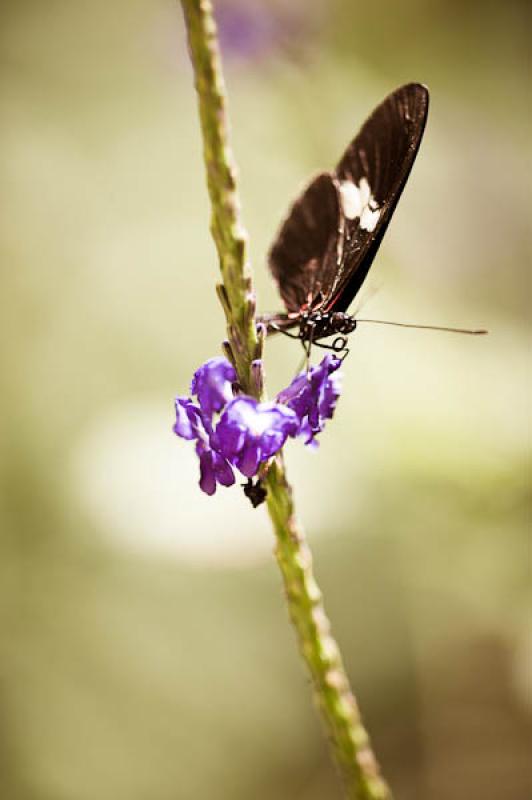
[{"x": 469, "y": 331}]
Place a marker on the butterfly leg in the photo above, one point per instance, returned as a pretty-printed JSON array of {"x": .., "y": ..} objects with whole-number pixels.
[
  {"x": 307, "y": 344},
  {"x": 338, "y": 346},
  {"x": 297, "y": 336},
  {"x": 301, "y": 364},
  {"x": 276, "y": 328}
]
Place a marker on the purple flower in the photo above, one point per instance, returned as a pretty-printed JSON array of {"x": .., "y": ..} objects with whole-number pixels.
[
  {"x": 190, "y": 423},
  {"x": 250, "y": 432},
  {"x": 313, "y": 397},
  {"x": 250, "y": 31},
  {"x": 213, "y": 384},
  {"x": 193, "y": 423},
  {"x": 214, "y": 468},
  {"x": 245, "y": 32}
]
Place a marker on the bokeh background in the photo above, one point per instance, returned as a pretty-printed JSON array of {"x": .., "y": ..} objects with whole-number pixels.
[{"x": 145, "y": 648}]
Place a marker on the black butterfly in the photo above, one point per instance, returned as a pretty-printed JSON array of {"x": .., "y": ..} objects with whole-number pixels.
[{"x": 327, "y": 244}]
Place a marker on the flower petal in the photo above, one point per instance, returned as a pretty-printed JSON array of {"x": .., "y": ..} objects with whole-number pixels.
[
  {"x": 207, "y": 479},
  {"x": 190, "y": 423},
  {"x": 222, "y": 468},
  {"x": 250, "y": 432},
  {"x": 248, "y": 459},
  {"x": 313, "y": 396},
  {"x": 213, "y": 384}
]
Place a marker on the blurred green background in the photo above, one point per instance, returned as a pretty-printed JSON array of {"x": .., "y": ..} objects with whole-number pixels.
[{"x": 145, "y": 648}]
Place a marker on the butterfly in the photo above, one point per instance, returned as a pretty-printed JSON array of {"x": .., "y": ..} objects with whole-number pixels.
[{"x": 325, "y": 247}]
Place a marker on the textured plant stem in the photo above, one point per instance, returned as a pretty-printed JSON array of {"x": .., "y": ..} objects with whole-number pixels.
[
  {"x": 349, "y": 740},
  {"x": 348, "y": 737},
  {"x": 236, "y": 293}
]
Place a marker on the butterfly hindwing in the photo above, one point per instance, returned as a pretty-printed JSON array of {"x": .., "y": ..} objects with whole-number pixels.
[{"x": 305, "y": 250}]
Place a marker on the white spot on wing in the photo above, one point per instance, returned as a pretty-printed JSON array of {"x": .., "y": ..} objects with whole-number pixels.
[
  {"x": 351, "y": 199},
  {"x": 365, "y": 192},
  {"x": 369, "y": 219},
  {"x": 357, "y": 201}
]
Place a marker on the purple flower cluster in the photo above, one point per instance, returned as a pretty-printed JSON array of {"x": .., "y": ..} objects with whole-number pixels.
[
  {"x": 313, "y": 397},
  {"x": 248, "y": 433}
]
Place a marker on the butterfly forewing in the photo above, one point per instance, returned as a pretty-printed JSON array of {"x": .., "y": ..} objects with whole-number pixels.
[
  {"x": 306, "y": 247},
  {"x": 372, "y": 173}
]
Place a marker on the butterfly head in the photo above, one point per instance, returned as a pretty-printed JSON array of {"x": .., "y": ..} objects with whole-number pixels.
[{"x": 316, "y": 325}]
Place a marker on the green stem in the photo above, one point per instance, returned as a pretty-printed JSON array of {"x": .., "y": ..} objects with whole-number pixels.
[
  {"x": 348, "y": 737},
  {"x": 236, "y": 293}
]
